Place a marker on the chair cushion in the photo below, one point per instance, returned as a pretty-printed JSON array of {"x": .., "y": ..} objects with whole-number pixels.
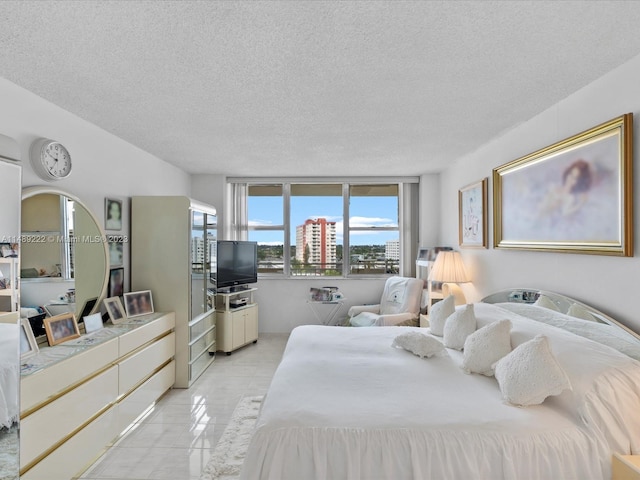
[
  {"x": 400, "y": 295},
  {"x": 364, "y": 319}
]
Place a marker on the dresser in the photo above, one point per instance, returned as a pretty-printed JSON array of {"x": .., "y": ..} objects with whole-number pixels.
[{"x": 79, "y": 396}]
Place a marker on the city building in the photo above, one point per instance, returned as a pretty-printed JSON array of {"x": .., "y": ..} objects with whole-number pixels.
[{"x": 316, "y": 242}]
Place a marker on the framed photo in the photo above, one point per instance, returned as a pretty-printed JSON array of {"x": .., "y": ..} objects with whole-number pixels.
[
  {"x": 61, "y": 328},
  {"x": 112, "y": 214},
  {"x": 472, "y": 216},
  {"x": 138, "y": 303},
  {"x": 116, "y": 252},
  {"x": 115, "y": 310},
  {"x": 8, "y": 250},
  {"x": 28, "y": 343},
  {"x": 93, "y": 322},
  {"x": 574, "y": 196},
  {"x": 116, "y": 282}
]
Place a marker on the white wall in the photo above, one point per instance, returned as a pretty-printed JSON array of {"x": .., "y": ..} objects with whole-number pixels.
[
  {"x": 606, "y": 282},
  {"x": 103, "y": 164}
]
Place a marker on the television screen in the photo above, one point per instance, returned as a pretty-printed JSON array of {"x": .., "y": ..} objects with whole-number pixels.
[{"x": 237, "y": 263}]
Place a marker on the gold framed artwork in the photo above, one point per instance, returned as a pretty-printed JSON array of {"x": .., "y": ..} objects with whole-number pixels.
[
  {"x": 574, "y": 196},
  {"x": 61, "y": 328},
  {"x": 472, "y": 215}
]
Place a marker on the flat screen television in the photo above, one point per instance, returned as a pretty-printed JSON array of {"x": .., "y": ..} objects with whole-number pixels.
[{"x": 237, "y": 263}]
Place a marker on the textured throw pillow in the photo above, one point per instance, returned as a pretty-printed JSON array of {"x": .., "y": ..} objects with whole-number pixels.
[
  {"x": 484, "y": 347},
  {"x": 458, "y": 327},
  {"x": 579, "y": 311},
  {"x": 546, "y": 302},
  {"x": 439, "y": 313},
  {"x": 418, "y": 343},
  {"x": 530, "y": 373}
]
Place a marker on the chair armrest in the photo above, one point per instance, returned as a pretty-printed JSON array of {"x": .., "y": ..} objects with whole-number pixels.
[
  {"x": 395, "y": 318},
  {"x": 356, "y": 309}
]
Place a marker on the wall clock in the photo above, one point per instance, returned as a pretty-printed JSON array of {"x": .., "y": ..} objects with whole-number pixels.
[{"x": 50, "y": 159}]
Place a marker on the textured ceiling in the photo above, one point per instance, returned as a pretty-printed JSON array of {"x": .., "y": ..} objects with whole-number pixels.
[{"x": 314, "y": 87}]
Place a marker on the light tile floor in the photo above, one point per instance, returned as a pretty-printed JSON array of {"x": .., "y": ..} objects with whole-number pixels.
[{"x": 176, "y": 439}]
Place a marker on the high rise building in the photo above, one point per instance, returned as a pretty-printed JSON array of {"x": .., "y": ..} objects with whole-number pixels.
[
  {"x": 316, "y": 242},
  {"x": 392, "y": 250}
]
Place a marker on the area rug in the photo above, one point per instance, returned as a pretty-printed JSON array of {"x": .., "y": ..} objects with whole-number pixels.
[{"x": 228, "y": 456}]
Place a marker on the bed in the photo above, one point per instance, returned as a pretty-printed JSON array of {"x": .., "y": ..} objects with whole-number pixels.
[
  {"x": 9, "y": 365},
  {"x": 345, "y": 404}
]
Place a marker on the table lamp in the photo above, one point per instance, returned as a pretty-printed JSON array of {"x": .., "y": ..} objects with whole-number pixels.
[{"x": 449, "y": 270}]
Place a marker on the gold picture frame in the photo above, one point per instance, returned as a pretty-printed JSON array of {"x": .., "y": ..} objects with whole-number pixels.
[
  {"x": 472, "y": 215},
  {"x": 61, "y": 328},
  {"x": 574, "y": 196}
]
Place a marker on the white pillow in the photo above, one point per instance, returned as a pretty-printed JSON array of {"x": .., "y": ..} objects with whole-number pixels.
[
  {"x": 458, "y": 327},
  {"x": 484, "y": 347},
  {"x": 546, "y": 302},
  {"x": 579, "y": 311},
  {"x": 438, "y": 314},
  {"x": 418, "y": 343},
  {"x": 364, "y": 319},
  {"x": 530, "y": 373}
]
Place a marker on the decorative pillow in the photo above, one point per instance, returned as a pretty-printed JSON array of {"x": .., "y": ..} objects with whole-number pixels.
[
  {"x": 530, "y": 373},
  {"x": 579, "y": 311},
  {"x": 439, "y": 313},
  {"x": 458, "y": 327},
  {"x": 546, "y": 302},
  {"x": 418, "y": 343},
  {"x": 484, "y": 347}
]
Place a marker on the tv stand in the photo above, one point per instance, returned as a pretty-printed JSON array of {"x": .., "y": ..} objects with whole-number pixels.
[{"x": 237, "y": 326}]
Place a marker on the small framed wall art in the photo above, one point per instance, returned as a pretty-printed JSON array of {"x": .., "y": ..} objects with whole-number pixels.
[{"x": 472, "y": 215}]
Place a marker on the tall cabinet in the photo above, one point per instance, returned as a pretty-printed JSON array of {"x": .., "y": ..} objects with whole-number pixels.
[{"x": 173, "y": 253}]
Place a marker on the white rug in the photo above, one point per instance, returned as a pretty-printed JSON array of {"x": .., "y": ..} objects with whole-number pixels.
[{"x": 228, "y": 456}]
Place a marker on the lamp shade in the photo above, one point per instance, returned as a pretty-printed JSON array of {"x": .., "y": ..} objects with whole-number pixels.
[{"x": 448, "y": 267}]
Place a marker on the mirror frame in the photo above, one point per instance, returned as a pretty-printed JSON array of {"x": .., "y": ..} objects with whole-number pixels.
[{"x": 29, "y": 192}]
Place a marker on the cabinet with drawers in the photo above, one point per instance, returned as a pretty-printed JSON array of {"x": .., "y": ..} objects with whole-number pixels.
[{"x": 77, "y": 397}]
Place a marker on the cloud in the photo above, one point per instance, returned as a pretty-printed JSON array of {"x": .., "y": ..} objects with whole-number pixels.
[{"x": 260, "y": 223}]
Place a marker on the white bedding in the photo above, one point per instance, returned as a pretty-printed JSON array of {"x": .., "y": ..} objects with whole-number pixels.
[
  {"x": 344, "y": 404},
  {"x": 9, "y": 375}
]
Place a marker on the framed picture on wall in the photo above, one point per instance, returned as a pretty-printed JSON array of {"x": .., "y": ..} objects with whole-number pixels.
[
  {"x": 112, "y": 214},
  {"x": 116, "y": 251},
  {"x": 116, "y": 282},
  {"x": 472, "y": 215},
  {"x": 574, "y": 196}
]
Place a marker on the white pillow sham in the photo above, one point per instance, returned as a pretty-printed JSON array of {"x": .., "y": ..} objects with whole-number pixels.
[
  {"x": 439, "y": 313},
  {"x": 418, "y": 343},
  {"x": 484, "y": 347},
  {"x": 458, "y": 327},
  {"x": 530, "y": 373}
]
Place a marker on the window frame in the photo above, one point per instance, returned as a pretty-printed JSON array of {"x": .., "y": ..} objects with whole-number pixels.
[{"x": 241, "y": 228}]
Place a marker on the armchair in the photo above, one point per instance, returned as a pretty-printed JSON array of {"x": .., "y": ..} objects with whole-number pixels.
[{"x": 400, "y": 304}]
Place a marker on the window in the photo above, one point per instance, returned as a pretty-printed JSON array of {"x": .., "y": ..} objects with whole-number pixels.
[{"x": 317, "y": 222}]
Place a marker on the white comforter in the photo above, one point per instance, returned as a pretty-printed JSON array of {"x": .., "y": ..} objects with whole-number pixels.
[
  {"x": 9, "y": 375},
  {"x": 344, "y": 404}
]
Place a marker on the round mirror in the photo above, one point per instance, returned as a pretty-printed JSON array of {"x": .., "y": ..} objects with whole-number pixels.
[{"x": 64, "y": 264}]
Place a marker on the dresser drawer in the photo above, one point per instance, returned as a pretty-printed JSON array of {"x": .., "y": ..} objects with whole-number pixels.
[
  {"x": 200, "y": 326},
  {"x": 38, "y": 387},
  {"x": 203, "y": 343},
  {"x": 141, "y": 335},
  {"x": 60, "y": 418},
  {"x": 137, "y": 367}
]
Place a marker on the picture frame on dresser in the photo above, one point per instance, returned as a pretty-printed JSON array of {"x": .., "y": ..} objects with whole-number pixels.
[
  {"x": 93, "y": 323},
  {"x": 472, "y": 215},
  {"x": 138, "y": 303},
  {"x": 115, "y": 310},
  {"x": 61, "y": 328},
  {"x": 28, "y": 343}
]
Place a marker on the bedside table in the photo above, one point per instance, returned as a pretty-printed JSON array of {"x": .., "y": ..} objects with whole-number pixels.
[
  {"x": 625, "y": 467},
  {"x": 424, "y": 321}
]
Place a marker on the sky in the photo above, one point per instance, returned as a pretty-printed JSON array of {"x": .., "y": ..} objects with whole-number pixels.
[{"x": 365, "y": 211}]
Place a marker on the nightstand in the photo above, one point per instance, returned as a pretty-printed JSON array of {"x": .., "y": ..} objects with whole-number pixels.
[
  {"x": 424, "y": 321},
  {"x": 625, "y": 467}
]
